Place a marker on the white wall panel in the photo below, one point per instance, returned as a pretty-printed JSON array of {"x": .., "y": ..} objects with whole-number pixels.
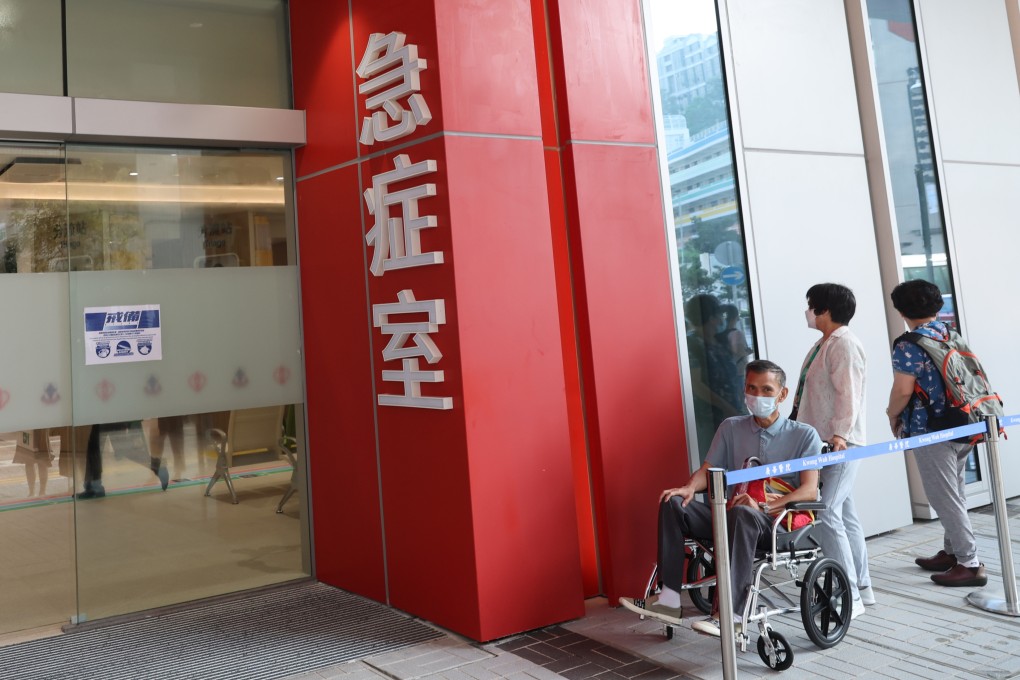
[
  {"x": 793, "y": 76},
  {"x": 988, "y": 279},
  {"x": 972, "y": 79},
  {"x": 811, "y": 216}
]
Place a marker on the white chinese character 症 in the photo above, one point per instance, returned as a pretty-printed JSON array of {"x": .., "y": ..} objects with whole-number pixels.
[
  {"x": 391, "y": 70},
  {"x": 396, "y": 241},
  {"x": 422, "y": 346}
]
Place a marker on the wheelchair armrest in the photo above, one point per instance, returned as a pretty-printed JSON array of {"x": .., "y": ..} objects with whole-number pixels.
[{"x": 805, "y": 505}]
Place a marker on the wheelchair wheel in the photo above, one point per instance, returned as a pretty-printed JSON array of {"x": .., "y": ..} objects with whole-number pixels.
[
  {"x": 782, "y": 656},
  {"x": 699, "y": 565},
  {"x": 825, "y": 602}
]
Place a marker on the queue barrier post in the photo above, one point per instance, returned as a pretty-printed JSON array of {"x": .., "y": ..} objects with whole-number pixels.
[
  {"x": 1006, "y": 604},
  {"x": 721, "y": 561}
]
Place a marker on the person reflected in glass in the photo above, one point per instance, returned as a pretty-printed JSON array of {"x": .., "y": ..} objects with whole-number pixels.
[
  {"x": 734, "y": 339},
  {"x": 714, "y": 381},
  {"x": 830, "y": 397},
  {"x": 35, "y": 455},
  {"x": 167, "y": 428},
  {"x": 128, "y": 441}
]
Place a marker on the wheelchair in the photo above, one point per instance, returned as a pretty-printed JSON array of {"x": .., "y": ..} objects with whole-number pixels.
[{"x": 824, "y": 604}]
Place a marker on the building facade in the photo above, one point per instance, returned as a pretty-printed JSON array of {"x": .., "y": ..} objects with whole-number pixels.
[{"x": 470, "y": 259}]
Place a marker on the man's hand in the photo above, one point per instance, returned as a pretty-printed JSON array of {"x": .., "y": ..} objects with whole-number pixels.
[
  {"x": 685, "y": 492},
  {"x": 838, "y": 443},
  {"x": 744, "y": 499}
]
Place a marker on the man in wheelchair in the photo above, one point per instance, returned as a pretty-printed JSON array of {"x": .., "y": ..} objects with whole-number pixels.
[{"x": 772, "y": 439}]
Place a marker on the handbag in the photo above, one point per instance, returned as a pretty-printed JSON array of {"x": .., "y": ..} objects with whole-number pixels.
[{"x": 795, "y": 519}]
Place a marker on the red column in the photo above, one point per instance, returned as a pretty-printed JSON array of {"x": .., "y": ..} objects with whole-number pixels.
[
  {"x": 624, "y": 307},
  {"x": 464, "y": 516}
]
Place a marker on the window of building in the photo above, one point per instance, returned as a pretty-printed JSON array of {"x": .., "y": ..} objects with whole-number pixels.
[
  {"x": 912, "y": 171},
  {"x": 210, "y": 52},
  {"x": 712, "y": 273}
]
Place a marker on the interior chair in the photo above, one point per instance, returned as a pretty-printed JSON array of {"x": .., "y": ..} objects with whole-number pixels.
[{"x": 249, "y": 431}]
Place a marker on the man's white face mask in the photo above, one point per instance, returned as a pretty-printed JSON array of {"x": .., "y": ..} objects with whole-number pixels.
[
  {"x": 810, "y": 315},
  {"x": 761, "y": 407}
]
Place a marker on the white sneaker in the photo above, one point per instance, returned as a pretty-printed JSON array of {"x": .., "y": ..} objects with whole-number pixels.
[
  {"x": 652, "y": 608},
  {"x": 857, "y": 610},
  {"x": 867, "y": 596}
]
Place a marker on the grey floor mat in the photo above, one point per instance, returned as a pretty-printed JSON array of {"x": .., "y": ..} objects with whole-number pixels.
[{"x": 268, "y": 635}]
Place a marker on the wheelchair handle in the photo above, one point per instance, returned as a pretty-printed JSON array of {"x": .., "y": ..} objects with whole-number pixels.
[{"x": 806, "y": 505}]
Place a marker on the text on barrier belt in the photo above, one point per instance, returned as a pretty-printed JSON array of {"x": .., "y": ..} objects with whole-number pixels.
[{"x": 789, "y": 467}]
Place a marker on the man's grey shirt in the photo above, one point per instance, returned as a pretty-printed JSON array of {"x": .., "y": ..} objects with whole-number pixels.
[{"x": 741, "y": 437}]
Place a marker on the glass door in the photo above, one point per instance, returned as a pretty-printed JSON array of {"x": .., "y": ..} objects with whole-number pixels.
[
  {"x": 37, "y": 549},
  {"x": 186, "y": 367},
  {"x": 151, "y": 447}
]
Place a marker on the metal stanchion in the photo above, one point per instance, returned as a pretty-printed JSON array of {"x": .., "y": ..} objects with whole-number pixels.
[
  {"x": 993, "y": 602},
  {"x": 721, "y": 561}
]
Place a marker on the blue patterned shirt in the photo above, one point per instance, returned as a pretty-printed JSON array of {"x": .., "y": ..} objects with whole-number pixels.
[{"x": 909, "y": 358}]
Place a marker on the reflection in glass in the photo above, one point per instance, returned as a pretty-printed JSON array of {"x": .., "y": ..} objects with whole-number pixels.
[
  {"x": 167, "y": 208},
  {"x": 147, "y": 534},
  {"x": 905, "y": 126},
  {"x": 706, "y": 216},
  {"x": 31, "y": 47},
  {"x": 229, "y": 53},
  {"x": 104, "y": 469},
  {"x": 909, "y": 148}
]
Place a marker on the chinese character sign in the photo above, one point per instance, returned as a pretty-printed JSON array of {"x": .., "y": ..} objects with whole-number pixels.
[
  {"x": 409, "y": 341},
  {"x": 395, "y": 240},
  {"x": 391, "y": 71},
  {"x": 115, "y": 335}
]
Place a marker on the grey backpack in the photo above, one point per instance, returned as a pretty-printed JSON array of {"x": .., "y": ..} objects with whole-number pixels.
[{"x": 969, "y": 396}]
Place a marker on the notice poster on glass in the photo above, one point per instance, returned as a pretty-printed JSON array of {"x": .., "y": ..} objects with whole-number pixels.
[{"x": 117, "y": 335}]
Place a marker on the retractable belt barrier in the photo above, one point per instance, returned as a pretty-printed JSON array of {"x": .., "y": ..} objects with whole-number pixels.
[
  {"x": 858, "y": 452},
  {"x": 719, "y": 479}
]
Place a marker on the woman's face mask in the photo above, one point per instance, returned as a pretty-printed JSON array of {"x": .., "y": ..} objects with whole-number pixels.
[
  {"x": 810, "y": 315},
  {"x": 760, "y": 407}
]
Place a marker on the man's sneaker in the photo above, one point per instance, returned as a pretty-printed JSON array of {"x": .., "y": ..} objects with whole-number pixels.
[
  {"x": 652, "y": 608},
  {"x": 710, "y": 626},
  {"x": 857, "y": 610},
  {"x": 867, "y": 596}
]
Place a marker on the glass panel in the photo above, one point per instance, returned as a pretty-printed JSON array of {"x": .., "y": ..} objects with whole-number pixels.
[
  {"x": 199, "y": 52},
  {"x": 706, "y": 216},
  {"x": 31, "y": 38},
  {"x": 909, "y": 148},
  {"x": 200, "y": 245},
  {"x": 37, "y": 555},
  {"x": 910, "y": 161}
]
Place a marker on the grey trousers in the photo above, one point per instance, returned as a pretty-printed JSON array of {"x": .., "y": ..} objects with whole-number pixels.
[
  {"x": 839, "y": 530},
  {"x": 942, "y": 467},
  {"x": 749, "y": 530}
]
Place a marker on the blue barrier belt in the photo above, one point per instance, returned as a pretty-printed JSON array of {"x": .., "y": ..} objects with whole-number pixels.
[{"x": 796, "y": 465}]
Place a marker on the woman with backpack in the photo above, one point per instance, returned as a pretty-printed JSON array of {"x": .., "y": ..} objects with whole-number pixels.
[{"x": 919, "y": 395}]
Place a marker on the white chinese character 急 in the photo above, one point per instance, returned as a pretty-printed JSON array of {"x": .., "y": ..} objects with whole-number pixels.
[
  {"x": 410, "y": 341},
  {"x": 391, "y": 72}
]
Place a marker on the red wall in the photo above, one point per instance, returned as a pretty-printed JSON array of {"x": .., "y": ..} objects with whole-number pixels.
[{"x": 559, "y": 348}]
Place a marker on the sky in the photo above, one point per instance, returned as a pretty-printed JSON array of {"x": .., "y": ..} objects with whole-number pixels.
[{"x": 679, "y": 17}]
